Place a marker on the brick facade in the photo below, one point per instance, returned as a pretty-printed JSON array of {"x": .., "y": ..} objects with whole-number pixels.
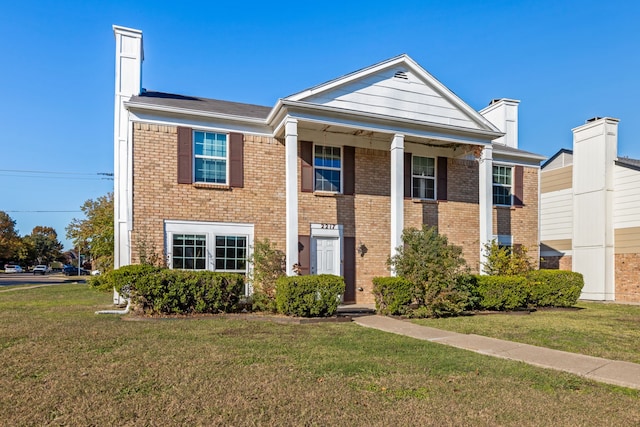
[
  {"x": 627, "y": 277},
  {"x": 556, "y": 262},
  {"x": 364, "y": 216}
]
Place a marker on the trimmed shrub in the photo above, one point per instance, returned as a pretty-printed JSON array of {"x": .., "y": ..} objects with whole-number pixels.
[
  {"x": 123, "y": 277},
  {"x": 501, "y": 292},
  {"x": 554, "y": 288},
  {"x": 506, "y": 261},
  {"x": 184, "y": 292},
  {"x": 309, "y": 296},
  {"x": 393, "y": 295}
]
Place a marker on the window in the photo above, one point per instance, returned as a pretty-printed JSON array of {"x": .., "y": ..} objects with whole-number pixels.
[
  {"x": 502, "y": 185},
  {"x": 231, "y": 253},
  {"x": 423, "y": 174},
  {"x": 210, "y": 157},
  {"x": 327, "y": 162},
  {"x": 189, "y": 251}
]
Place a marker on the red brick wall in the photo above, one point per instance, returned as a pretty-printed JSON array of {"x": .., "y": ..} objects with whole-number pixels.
[{"x": 627, "y": 277}]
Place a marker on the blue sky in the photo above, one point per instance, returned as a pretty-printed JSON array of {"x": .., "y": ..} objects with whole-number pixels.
[{"x": 566, "y": 61}]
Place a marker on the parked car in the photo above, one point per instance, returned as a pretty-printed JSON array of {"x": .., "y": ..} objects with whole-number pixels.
[
  {"x": 12, "y": 268},
  {"x": 70, "y": 270},
  {"x": 40, "y": 269}
]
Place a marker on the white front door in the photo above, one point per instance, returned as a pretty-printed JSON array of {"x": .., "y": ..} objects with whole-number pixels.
[{"x": 326, "y": 255}]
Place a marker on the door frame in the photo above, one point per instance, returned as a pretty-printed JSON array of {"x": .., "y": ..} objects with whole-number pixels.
[{"x": 334, "y": 231}]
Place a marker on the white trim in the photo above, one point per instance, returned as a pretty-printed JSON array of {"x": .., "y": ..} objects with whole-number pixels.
[
  {"x": 133, "y": 105},
  {"x": 333, "y": 231},
  {"x": 210, "y": 230},
  {"x": 485, "y": 190}
]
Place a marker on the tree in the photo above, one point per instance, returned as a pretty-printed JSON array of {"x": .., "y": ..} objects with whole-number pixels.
[
  {"x": 42, "y": 245},
  {"x": 94, "y": 234},
  {"x": 437, "y": 270},
  {"x": 10, "y": 242}
]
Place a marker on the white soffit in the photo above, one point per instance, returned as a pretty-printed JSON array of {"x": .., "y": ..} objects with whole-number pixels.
[{"x": 398, "y": 87}]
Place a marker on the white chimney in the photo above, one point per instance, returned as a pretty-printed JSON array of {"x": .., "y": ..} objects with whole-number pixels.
[
  {"x": 128, "y": 80},
  {"x": 503, "y": 113},
  {"x": 595, "y": 147}
]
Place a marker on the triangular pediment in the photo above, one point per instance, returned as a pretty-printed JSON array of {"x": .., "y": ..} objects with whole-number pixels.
[{"x": 398, "y": 88}]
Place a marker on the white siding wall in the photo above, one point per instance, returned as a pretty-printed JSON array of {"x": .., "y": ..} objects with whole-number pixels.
[
  {"x": 385, "y": 94},
  {"x": 556, "y": 215},
  {"x": 626, "y": 200}
]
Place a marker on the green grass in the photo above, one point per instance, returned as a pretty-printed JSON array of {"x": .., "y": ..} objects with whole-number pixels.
[
  {"x": 596, "y": 329},
  {"x": 64, "y": 365}
]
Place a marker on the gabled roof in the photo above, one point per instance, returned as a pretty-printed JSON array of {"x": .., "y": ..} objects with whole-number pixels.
[
  {"x": 555, "y": 156},
  {"x": 397, "y": 87},
  {"x": 192, "y": 103}
]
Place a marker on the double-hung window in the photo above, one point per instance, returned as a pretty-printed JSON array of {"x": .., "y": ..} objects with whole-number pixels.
[
  {"x": 327, "y": 164},
  {"x": 210, "y": 157},
  {"x": 502, "y": 185},
  {"x": 423, "y": 173},
  {"x": 189, "y": 251},
  {"x": 231, "y": 253}
]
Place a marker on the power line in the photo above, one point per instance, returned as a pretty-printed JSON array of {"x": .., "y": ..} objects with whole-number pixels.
[
  {"x": 56, "y": 172},
  {"x": 60, "y": 177},
  {"x": 40, "y": 211}
]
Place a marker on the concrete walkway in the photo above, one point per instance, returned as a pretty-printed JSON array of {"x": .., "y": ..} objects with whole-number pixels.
[{"x": 624, "y": 374}]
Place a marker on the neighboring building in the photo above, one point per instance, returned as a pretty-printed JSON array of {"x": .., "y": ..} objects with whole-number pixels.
[
  {"x": 590, "y": 213},
  {"x": 331, "y": 175}
]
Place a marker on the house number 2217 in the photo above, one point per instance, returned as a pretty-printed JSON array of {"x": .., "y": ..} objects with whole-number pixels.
[{"x": 328, "y": 226}]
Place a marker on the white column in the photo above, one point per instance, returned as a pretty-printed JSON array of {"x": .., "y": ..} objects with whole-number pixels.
[
  {"x": 397, "y": 193},
  {"x": 486, "y": 201},
  {"x": 128, "y": 79},
  {"x": 291, "y": 187}
]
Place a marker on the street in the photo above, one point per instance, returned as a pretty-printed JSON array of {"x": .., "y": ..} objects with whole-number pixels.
[{"x": 13, "y": 279}]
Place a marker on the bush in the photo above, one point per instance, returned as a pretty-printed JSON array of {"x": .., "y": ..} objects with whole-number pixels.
[
  {"x": 434, "y": 266},
  {"x": 268, "y": 266},
  {"x": 554, "y": 288},
  {"x": 309, "y": 296},
  {"x": 501, "y": 292},
  {"x": 157, "y": 290},
  {"x": 393, "y": 295},
  {"x": 506, "y": 261}
]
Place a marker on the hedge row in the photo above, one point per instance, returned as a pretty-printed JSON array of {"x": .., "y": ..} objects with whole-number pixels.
[
  {"x": 163, "y": 291},
  {"x": 541, "y": 288},
  {"x": 158, "y": 290}
]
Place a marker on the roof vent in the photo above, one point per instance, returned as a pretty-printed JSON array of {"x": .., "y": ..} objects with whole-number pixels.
[
  {"x": 401, "y": 75},
  {"x": 593, "y": 119}
]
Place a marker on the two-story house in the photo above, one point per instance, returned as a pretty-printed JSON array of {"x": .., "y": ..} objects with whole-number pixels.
[{"x": 331, "y": 174}]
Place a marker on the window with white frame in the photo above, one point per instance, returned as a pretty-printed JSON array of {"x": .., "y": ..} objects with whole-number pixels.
[
  {"x": 189, "y": 251},
  {"x": 423, "y": 172},
  {"x": 502, "y": 185},
  {"x": 210, "y": 157},
  {"x": 231, "y": 253},
  {"x": 198, "y": 245},
  {"x": 327, "y": 164}
]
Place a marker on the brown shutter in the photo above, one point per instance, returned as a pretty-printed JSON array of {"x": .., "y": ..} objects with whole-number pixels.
[
  {"x": 518, "y": 190},
  {"x": 407, "y": 175},
  {"x": 442, "y": 178},
  {"x": 350, "y": 269},
  {"x": 306, "y": 166},
  {"x": 349, "y": 170},
  {"x": 185, "y": 155},
  {"x": 304, "y": 254},
  {"x": 236, "y": 160}
]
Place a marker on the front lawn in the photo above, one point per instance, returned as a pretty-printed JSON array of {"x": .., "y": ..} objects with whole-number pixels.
[
  {"x": 597, "y": 329},
  {"x": 64, "y": 365}
]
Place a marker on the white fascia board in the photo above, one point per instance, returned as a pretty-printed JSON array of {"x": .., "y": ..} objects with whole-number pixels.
[
  {"x": 178, "y": 117},
  {"x": 193, "y": 113},
  {"x": 210, "y": 125},
  {"x": 387, "y": 124},
  {"x": 517, "y": 158}
]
